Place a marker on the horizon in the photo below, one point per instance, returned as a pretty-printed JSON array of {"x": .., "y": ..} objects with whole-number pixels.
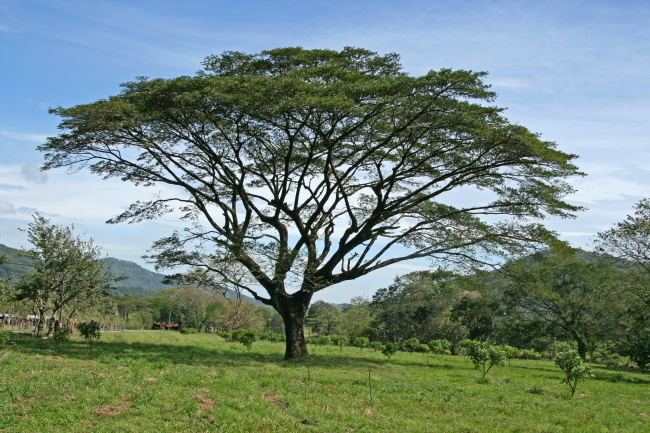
[{"x": 570, "y": 71}]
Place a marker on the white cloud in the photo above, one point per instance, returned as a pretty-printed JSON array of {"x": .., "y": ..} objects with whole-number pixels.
[
  {"x": 32, "y": 173},
  {"x": 24, "y": 136},
  {"x": 7, "y": 208}
]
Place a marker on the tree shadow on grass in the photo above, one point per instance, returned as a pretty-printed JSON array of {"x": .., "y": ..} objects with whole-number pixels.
[{"x": 185, "y": 353}]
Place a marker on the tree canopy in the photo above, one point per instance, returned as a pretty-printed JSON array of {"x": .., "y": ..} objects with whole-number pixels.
[{"x": 298, "y": 169}]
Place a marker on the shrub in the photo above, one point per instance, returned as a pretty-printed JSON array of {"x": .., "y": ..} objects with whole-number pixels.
[
  {"x": 245, "y": 336},
  {"x": 321, "y": 340},
  {"x": 411, "y": 345},
  {"x": 423, "y": 348},
  {"x": 4, "y": 340},
  {"x": 528, "y": 354},
  {"x": 189, "y": 331},
  {"x": 361, "y": 342},
  {"x": 62, "y": 334},
  {"x": 90, "y": 331},
  {"x": 574, "y": 368},
  {"x": 440, "y": 347},
  {"x": 376, "y": 345},
  {"x": 485, "y": 355},
  {"x": 340, "y": 340},
  {"x": 273, "y": 337},
  {"x": 226, "y": 336},
  {"x": 465, "y": 346},
  {"x": 389, "y": 349}
]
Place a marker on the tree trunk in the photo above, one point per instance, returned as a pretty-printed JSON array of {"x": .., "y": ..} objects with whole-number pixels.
[
  {"x": 293, "y": 309},
  {"x": 582, "y": 345}
]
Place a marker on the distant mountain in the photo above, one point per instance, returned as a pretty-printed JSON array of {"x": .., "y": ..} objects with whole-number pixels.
[{"x": 138, "y": 280}]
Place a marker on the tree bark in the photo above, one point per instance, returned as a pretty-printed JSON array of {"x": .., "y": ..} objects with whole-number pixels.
[
  {"x": 293, "y": 309},
  {"x": 582, "y": 345}
]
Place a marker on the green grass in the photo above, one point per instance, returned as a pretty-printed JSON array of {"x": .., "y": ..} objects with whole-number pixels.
[{"x": 154, "y": 381}]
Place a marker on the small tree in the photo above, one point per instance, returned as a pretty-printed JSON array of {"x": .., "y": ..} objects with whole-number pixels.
[
  {"x": 574, "y": 368},
  {"x": 4, "y": 340},
  {"x": 246, "y": 337},
  {"x": 411, "y": 345},
  {"x": 485, "y": 355},
  {"x": 90, "y": 331},
  {"x": 389, "y": 349},
  {"x": 61, "y": 334},
  {"x": 440, "y": 347},
  {"x": 361, "y": 342}
]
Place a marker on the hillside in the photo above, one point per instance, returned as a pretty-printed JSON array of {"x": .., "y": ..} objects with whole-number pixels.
[{"x": 138, "y": 280}]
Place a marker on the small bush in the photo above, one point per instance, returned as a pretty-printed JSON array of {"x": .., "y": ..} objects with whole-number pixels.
[
  {"x": 573, "y": 367},
  {"x": 389, "y": 349},
  {"x": 189, "y": 331},
  {"x": 361, "y": 342},
  {"x": 485, "y": 355},
  {"x": 440, "y": 347},
  {"x": 4, "y": 340},
  {"x": 62, "y": 334},
  {"x": 411, "y": 345},
  {"x": 245, "y": 336},
  {"x": 528, "y": 354},
  {"x": 90, "y": 331},
  {"x": 321, "y": 340},
  {"x": 273, "y": 337},
  {"x": 226, "y": 336},
  {"x": 376, "y": 345},
  {"x": 340, "y": 340}
]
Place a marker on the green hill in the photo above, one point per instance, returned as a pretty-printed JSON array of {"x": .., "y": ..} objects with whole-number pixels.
[{"x": 137, "y": 279}]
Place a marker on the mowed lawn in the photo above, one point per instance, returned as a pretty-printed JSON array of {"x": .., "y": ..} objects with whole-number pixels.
[{"x": 156, "y": 381}]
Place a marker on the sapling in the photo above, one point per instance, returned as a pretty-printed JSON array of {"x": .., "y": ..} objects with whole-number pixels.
[
  {"x": 246, "y": 337},
  {"x": 90, "y": 331},
  {"x": 361, "y": 342},
  {"x": 4, "y": 340},
  {"x": 574, "y": 368},
  {"x": 389, "y": 349},
  {"x": 484, "y": 356}
]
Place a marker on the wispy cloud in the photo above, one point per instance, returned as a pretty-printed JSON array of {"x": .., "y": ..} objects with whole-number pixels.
[
  {"x": 24, "y": 136},
  {"x": 6, "y": 207}
]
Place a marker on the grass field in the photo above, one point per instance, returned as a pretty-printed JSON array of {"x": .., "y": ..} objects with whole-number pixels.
[{"x": 155, "y": 381}]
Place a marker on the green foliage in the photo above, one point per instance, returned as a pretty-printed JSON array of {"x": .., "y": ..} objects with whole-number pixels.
[
  {"x": 573, "y": 367},
  {"x": 411, "y": 345},
  {"x": 361, "y": 342},
  {"x": 340, "y": 340},
  {"x": 67, "y": 271},
  {"x": 376, "y": 345},
  {"x": 61, "y": 334},
  {"x": 440, "y": 347},
  {"x": 245, "y": 336},
  {"x": 324, "y": 318},
  {"x": 90, "y": 331},
  {"x": 528, "y": 354},
  {"x": 484, "y": 355},
  {"x": 566, "y": 290},
  {"x": 189, "y": 331},
  {"x": 4, "y": 340},
  {"x": 320, "y": 340},
  {"x": 389, "y": 349},
  {"x": 322, "y": 127}
]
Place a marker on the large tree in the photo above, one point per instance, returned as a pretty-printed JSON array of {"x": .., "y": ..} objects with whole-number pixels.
[
  {"x": 299, "y": 169},
  {"x": 566, "y": 291},
  {"x": 629, "y": 240}
]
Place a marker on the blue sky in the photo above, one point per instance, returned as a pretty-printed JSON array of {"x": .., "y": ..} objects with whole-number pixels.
[{"x": 577, "y": 72}]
